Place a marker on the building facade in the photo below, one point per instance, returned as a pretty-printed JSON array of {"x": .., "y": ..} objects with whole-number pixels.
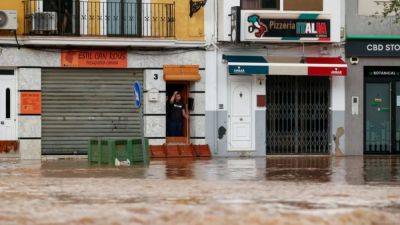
[
  {"x": 276, "y": 78},
  {"x": 67, "y": 70},
  {"x": 372, "y": 52}
]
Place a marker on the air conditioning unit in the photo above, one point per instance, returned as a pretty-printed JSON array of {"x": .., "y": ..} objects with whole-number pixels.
[
  {"x": 8, "y": 20},
  {"x": 44, "y": 21}
]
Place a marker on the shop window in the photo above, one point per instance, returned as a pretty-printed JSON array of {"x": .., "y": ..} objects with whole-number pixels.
[
  {"x": 8, "y": 103},
  {"x": 289, "y": 5},
  {"x": 260, "y": 4},
  {"x": 303, "y": 5}
]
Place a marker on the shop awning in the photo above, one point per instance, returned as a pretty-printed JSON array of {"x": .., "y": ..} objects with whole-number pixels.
[
  {"x": 246, "y": 65},
  {"x": 307, "y": 66},
  {"x": 181, "y": 73}
]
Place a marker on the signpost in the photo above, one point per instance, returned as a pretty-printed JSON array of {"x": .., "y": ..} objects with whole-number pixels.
[
  {"x": 137, "y": 91},
  {"x": 138, "y": 97}
]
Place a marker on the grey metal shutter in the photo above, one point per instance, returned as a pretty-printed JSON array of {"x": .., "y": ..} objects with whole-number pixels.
[{"x": 82, "y": 104}]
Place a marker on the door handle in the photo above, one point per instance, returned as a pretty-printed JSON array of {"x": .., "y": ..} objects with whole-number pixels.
[
  {"x": 241, "y": 119},
  {"x": 2, "y": 122}
]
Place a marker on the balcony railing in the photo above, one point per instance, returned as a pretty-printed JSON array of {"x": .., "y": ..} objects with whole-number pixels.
[{"x": 119, "y": 18}]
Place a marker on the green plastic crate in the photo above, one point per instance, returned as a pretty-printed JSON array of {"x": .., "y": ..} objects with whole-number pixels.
[
  {"x": 139, "y": 154},
  {"x": 106, "y": 151},
  {"x": 99, "y": 151}
]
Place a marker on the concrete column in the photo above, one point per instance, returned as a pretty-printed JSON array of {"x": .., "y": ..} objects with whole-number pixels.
[
  {"x": 211, "y": 100},
  {"x": 29, "y": 124},
  {"x": 338, "y": 104},
  {"x": 154, "y": 111}
]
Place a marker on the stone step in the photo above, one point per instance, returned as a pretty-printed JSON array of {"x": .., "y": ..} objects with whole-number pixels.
[{"x": 173, "y": 150}]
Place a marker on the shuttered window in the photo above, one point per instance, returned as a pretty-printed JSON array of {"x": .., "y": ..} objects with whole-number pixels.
[
  {"x": 260, "y": 4},
  {"x": 303, "y": 5},
  {"x": 289, "y": 5}
]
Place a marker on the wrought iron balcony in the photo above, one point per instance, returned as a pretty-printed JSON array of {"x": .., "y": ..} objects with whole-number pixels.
[{"x": 118, "y": 18}]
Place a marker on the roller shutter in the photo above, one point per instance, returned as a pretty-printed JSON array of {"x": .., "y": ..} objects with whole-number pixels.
[{"x": 82, "y": 104}]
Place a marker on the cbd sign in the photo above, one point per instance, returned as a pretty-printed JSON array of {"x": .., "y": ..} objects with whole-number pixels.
[
  {"x": 382, "y": 47},
  {"x": 372, "y": 48}
]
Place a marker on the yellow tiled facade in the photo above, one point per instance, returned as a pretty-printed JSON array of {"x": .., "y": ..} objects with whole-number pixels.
[
  {"x": 15, "y": 5},
  {"x": 187, "y": 28}
]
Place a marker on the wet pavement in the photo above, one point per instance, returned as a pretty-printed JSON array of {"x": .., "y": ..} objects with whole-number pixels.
[{"x": 273, "y": 190}]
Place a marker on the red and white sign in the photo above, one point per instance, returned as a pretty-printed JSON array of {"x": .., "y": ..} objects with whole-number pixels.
[
  {"x": 327, "y": 71},
  {"x": 94, "y": 58},
  {"x": 311, "y": 66},
  {"x": 326, "y": 66},
  {"x": 31, "y": 103}
]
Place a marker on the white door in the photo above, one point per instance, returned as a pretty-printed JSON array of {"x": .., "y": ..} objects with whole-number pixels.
[
  {"x": 240, "y": 116},
  {"x": 7, "y": 108}
]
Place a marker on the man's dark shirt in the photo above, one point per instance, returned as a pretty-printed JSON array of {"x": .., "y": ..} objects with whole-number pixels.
[{"x": 175, "y": 111}]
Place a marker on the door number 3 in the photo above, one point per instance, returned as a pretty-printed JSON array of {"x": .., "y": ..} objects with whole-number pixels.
[{"x": 155, "y": 76}]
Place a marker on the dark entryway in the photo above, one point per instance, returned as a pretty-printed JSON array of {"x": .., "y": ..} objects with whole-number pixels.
[
  {"x": 382, "y": 110},
  {"x": 182, "y": 88},
  {"x": 297, "y": 115}
]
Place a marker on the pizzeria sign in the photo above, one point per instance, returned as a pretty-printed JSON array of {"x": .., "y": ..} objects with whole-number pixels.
[{"x": 285, "y": 27}]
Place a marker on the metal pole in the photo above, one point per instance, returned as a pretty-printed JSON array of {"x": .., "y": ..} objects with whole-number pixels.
[{"x": 141, "y": 115}]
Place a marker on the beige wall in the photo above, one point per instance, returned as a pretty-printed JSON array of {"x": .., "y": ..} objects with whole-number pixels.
[{"x": 370, "y": 7}]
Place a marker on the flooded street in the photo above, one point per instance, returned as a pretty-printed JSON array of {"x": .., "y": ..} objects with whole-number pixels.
[{"x": 276, "y": 190}]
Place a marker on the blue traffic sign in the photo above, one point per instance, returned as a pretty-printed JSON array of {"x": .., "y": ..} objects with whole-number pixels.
[{"x": 137, "y": 91}]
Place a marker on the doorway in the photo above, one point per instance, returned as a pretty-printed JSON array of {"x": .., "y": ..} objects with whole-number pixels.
[
  {"x": 382, "y": 110},
  {"x": 65, "y": 14},
  {"x": 8, "y": 115},
  {"x": 297, "y": 115},
  {"x": 182, "y": 137},
  {"x": 240, "y": 115}
]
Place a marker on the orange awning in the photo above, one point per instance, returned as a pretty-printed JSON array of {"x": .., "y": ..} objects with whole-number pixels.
[{"x": 181, "y": 73}]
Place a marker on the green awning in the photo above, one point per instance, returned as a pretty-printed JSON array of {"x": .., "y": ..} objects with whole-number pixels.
[
  {"x": 372, "y": 37},
  {"x": 246, "y": 65}
]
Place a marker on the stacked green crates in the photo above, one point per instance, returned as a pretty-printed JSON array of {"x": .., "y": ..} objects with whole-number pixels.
[{"x": 106, "y": 151}]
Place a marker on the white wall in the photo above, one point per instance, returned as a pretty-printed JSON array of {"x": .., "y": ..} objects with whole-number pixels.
[
  {"x": 210, "y": 21},
  {"x": 211, "y": 81},
  {"x": 224, "y": 20},
  {"x": 338, "y": 100},
  {"x": 334, "y": 9}
]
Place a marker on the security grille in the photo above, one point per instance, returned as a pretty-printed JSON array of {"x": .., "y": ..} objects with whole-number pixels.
[{"x": 297, "y": 115}]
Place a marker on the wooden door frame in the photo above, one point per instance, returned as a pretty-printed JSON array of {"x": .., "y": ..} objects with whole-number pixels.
[{"x": 186, "y": 125}]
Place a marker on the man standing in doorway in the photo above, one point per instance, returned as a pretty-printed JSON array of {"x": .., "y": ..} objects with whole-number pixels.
[{"x": 177, "y": 114}]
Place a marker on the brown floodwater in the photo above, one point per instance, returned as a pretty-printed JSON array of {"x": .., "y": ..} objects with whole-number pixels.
[
  {"x": 350, "y": 170},
  {"x": 272, "y": 190}
]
